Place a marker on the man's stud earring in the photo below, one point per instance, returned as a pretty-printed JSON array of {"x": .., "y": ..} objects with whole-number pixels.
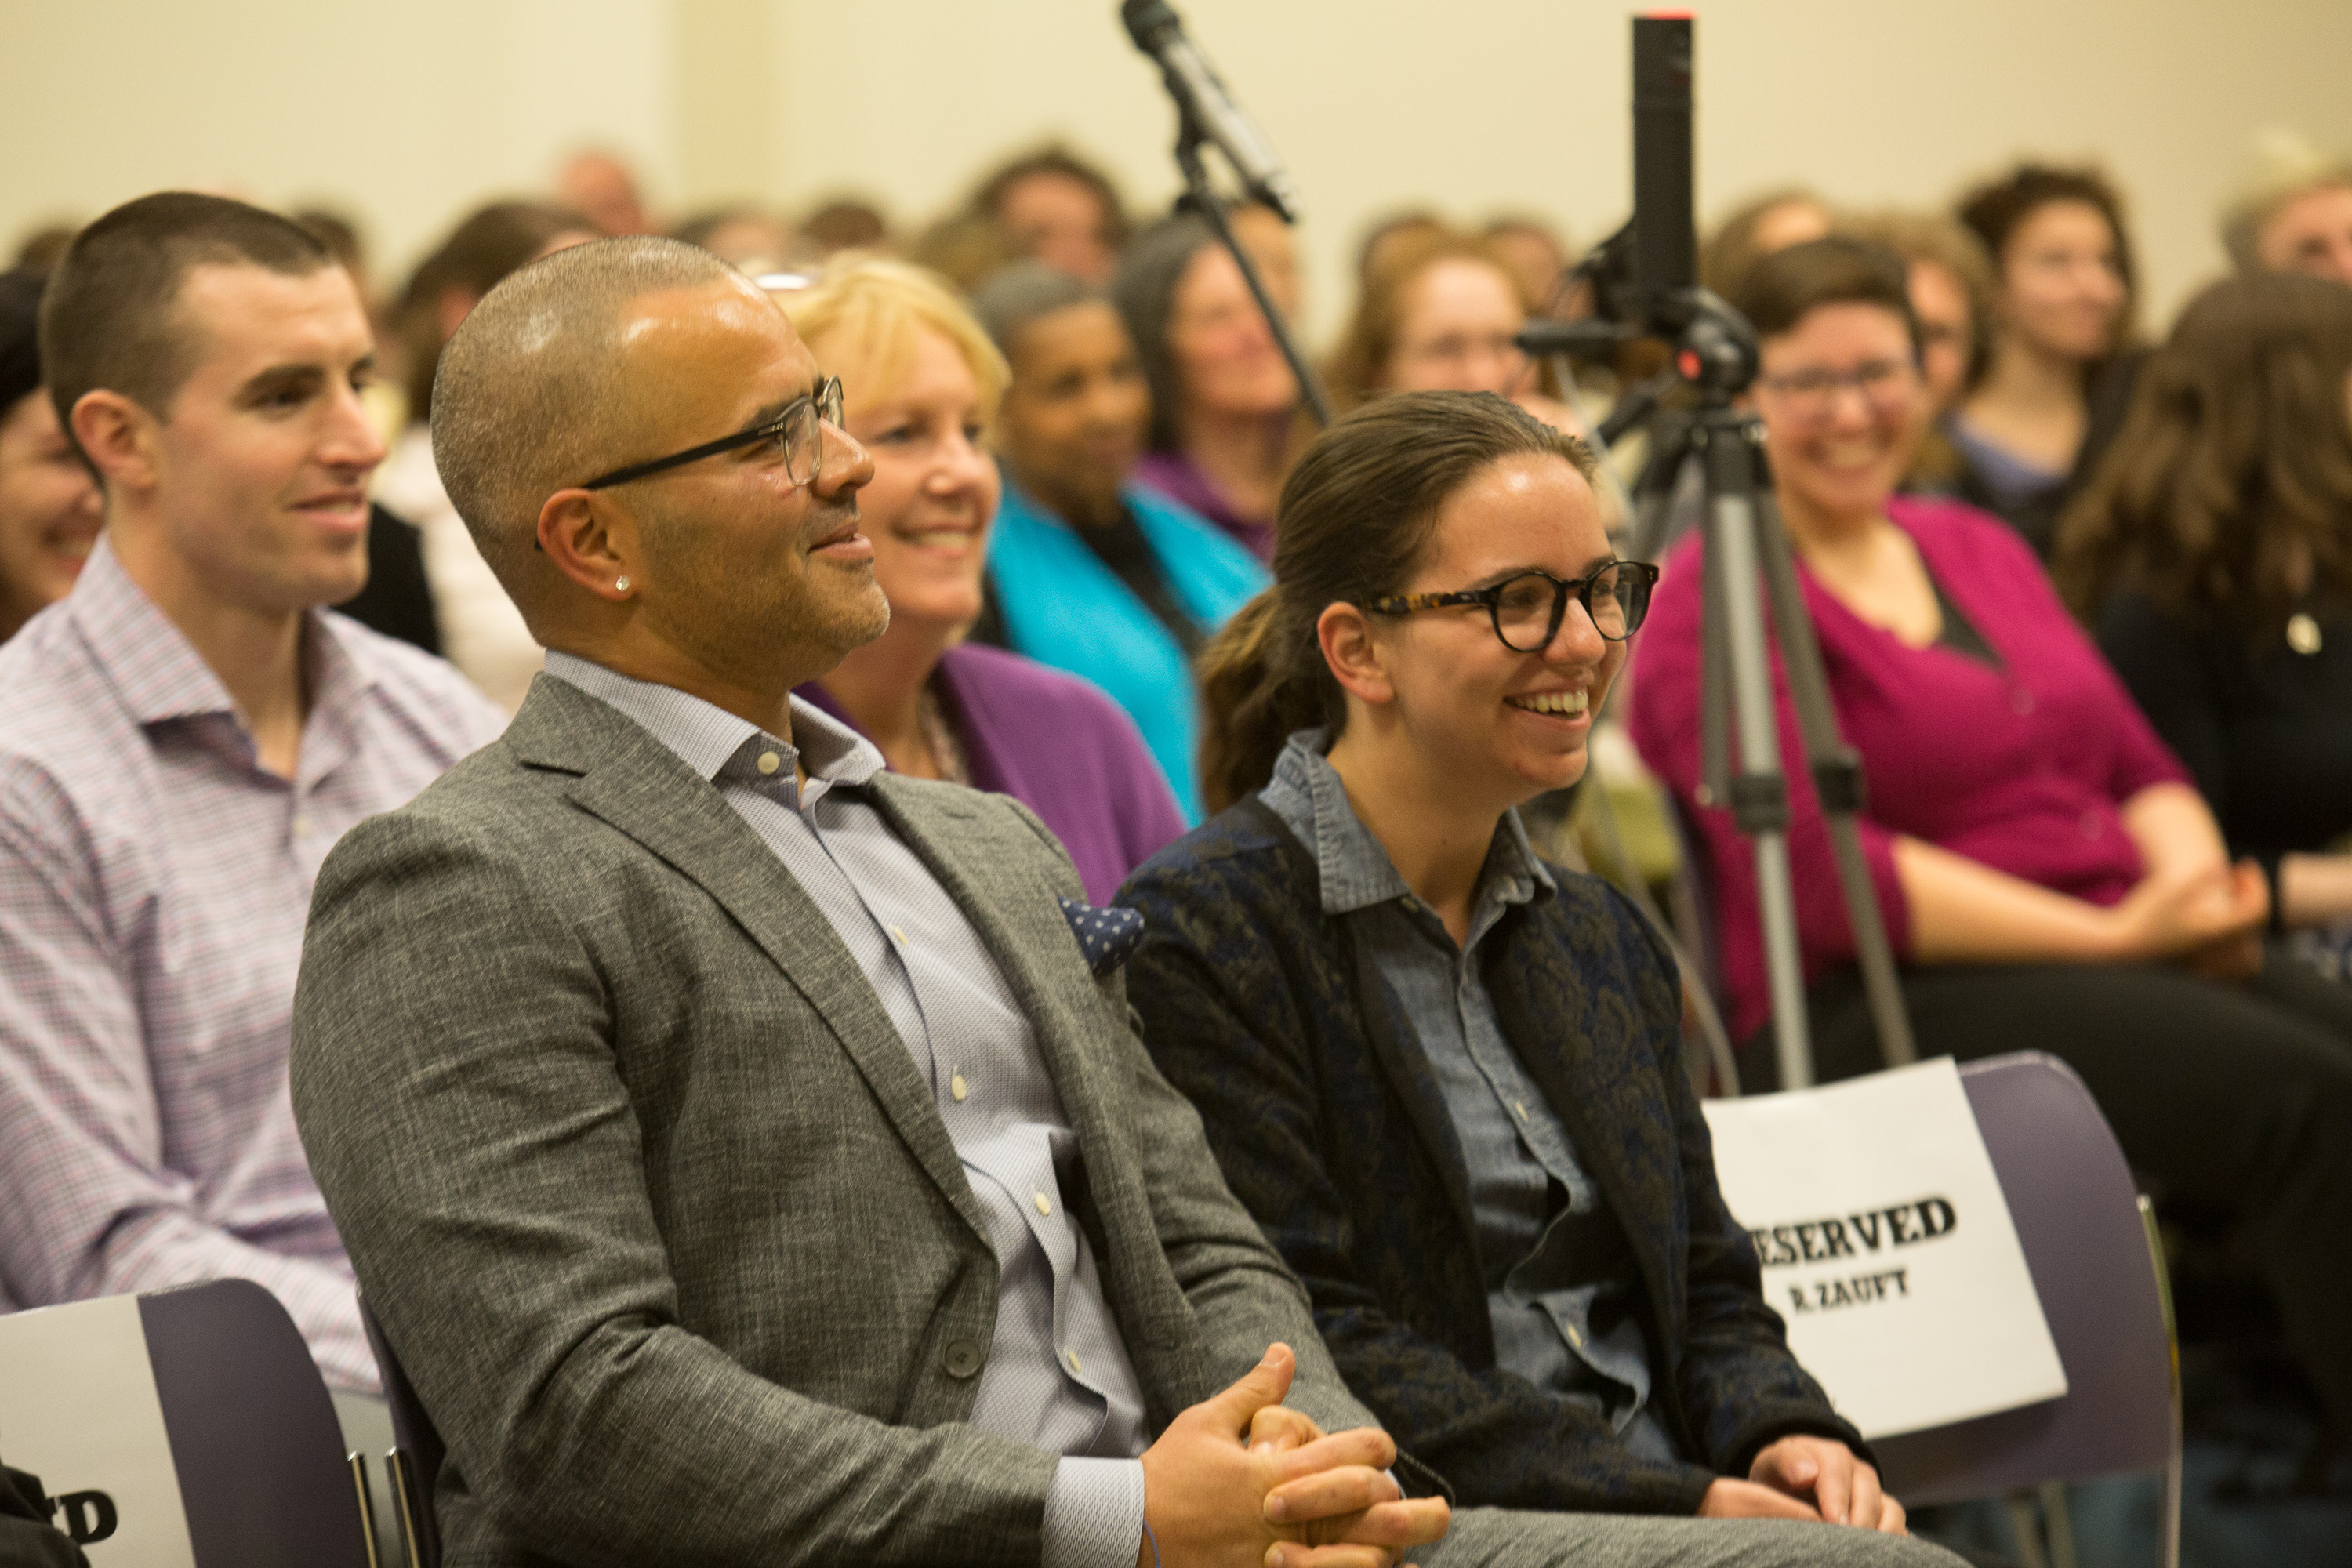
[{"x": 621, "y": 584}]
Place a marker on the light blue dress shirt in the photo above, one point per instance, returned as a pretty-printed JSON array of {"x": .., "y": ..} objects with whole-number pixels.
[
  {"x": 1561, "y": 1285},
  {"x": 1058, "y": 1375}
]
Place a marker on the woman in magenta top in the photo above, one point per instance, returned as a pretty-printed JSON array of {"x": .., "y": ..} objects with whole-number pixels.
[{"x": 2050, "y": 879}]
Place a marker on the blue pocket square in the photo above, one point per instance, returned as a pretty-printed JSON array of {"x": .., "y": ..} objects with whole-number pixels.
[{"x": 1108, "y": 937}]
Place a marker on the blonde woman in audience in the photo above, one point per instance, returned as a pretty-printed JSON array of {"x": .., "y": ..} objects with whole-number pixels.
[
  {"x": 481, "y": 632},
  {"x": 922, "y": 384},
  {"x": 1438, "y": 314},
  {"x": 49, "y": 511},
  {"x": 2053, "y": 391},
  {"x": 2293, "y": 213},
  {"x": 2050, "y": 878},
  {"x": 1224, "y": 402},
  {"x": 2212, "y": 557}
]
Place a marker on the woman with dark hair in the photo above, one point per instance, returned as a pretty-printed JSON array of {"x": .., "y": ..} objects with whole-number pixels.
[
  {"x": 2050, "y": 879},
  {"x": 2212, "y": 555},
  {"x": 50, "y": 512},
  {"x": 1087, "y": 570},
  {"x": 2052, "y": 394},
  {"x": 1447, "y": 1077},
  {"x": 480, "y": 631},
  {"x": 1224, "y": 402},
  {"x": 1755, "y": 229},
  {"x": 1053, "y": 206}
]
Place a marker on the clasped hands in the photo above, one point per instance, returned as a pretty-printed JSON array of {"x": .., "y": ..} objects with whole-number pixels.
[
  {"x": 2209, "y": 918},
  {"x": 1240, "y": 1480},
  {"x": 1807, "y": 1477}
]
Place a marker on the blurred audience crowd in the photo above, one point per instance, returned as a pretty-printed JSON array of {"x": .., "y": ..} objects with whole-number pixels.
[{"x": 2084, "y": 589}]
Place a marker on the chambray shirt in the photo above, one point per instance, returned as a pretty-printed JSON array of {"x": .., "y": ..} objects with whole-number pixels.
[
  {"x": 1057, "y": 1377},
  {"x": 155, "y": 880},
  {"x": 1560, "y": 1282}
]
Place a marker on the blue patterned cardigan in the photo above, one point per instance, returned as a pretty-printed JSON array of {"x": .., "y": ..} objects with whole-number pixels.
[{"x": 1325, "y": 1114}]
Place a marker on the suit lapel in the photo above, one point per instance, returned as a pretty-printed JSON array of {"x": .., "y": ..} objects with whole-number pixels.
[
  {"x": 1021, "y": 924},
  {"x": 1019, "y": 921},
  {"x": 633, "y": 783}
]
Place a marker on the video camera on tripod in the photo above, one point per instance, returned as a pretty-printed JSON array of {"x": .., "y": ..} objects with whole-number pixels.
[{"x": 1644, "y": 282}]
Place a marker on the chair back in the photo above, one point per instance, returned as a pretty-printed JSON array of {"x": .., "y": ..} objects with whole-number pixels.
[
  {"x": 415, "y": 1460},
  {"x": 227, "y": 1425},
  {"x": 2080, "y": 1224}
]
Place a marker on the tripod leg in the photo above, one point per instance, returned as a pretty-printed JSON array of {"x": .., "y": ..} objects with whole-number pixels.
[
  {"x": 1758, "y": 792},
  {"x": 1837, "y": 775}
]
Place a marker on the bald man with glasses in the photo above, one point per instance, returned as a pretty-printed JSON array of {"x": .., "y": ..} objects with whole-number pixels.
[{"x": 747, "y": 1150}]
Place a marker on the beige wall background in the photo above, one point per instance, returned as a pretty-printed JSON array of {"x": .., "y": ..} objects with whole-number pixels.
[{"x": 407, "y": 114}]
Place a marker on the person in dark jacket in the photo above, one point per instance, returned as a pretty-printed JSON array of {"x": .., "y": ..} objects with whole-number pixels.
[{"x": 1446, "y": 1078}]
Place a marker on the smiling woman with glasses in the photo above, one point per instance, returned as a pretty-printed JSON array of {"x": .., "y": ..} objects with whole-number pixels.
[
  {"x": 1444, "y": 1075},
  {"x": 2051, "y": 880}
]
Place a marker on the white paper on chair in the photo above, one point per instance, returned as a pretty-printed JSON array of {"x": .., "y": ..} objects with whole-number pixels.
[
  {"x": 78, "y": 1408},
  {"x": 1888, "y": 1247}
]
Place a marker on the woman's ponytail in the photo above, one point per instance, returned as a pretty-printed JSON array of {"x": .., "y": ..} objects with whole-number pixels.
[{"x": 1255, "y": 689}]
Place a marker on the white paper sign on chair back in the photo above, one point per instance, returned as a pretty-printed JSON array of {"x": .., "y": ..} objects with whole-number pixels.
[
  {"x": 1888, "y": 1247},
  {"x": 78, "y": 1408}
]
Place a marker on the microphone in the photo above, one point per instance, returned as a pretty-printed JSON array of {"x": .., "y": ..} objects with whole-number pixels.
[{"x": 1201, "y": 98}]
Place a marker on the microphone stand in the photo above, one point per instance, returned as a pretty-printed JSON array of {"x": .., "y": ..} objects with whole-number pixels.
[{"x": 1202, "y": 198}]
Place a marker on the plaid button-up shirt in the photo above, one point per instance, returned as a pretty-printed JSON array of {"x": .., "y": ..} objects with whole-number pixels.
[{"x": 153, "y": 884}]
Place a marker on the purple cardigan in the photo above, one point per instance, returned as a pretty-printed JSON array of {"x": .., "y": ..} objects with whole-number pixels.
[
  {"x": 1180, "y": 479},
  {"x": 1061, "y": 748},
  {"x": 2023, "y": 768}
]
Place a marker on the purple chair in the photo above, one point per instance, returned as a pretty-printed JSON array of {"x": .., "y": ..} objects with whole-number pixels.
[
  {"x": 2090, "y": 1241},
  {"x": 264, "y": 1479},
  {"x": 415, "y": 1461}
]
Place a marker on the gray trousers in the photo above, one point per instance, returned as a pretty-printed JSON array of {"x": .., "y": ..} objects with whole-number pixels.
[{"x": 1507, "y": 1538}]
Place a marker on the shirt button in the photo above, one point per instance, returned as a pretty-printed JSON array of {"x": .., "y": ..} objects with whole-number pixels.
[
  {"x": 961, "y": 1357},
  {"x": 2022, "y": 701},
  {"x": 2092, "y": 827},
  {"x": 302, "y": 826},
  {"x": 1072, "y": 1357},
  {"x": 770, "y": 761},
  {"x": 1044, "y": 1204},
  {"x": 1521, "y": 1107},
  {"x": 1575, "y": 1336},
  {"x": 900, "y": 934},
  {"x": 957, "y": 1087}
]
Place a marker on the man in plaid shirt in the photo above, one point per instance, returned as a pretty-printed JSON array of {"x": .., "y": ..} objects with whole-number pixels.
[{"x": 182, "y": 741}]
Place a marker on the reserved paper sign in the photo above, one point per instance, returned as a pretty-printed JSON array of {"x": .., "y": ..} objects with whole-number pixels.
[
  {"x": 1888, "y": 1247},
  {"x": 78, "y": 1408}
]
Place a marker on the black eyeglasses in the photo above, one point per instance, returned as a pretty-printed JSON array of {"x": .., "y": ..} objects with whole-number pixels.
[
  {"x": 1528, "y": 609},
  {"x": 798, "y": 427}
]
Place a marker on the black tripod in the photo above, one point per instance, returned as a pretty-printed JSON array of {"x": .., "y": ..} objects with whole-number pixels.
[
  {"x": 1741, "y": 523},
  {"x": 1202, "y": 198}
]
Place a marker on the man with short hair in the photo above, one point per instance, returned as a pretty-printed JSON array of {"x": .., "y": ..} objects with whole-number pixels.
[
  {"x": 747, "y": 1150},
  {"x": 183, "y": 737}
]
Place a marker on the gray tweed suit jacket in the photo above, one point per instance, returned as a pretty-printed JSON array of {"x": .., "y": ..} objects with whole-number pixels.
[{"x": 652, "y": 1203}]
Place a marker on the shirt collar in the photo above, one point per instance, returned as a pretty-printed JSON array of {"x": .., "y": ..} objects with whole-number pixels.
[
  {"x": 1354, "y": 867},
  {"x": 715, "y": 743},
  {"x": 158, "y": 671}
]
